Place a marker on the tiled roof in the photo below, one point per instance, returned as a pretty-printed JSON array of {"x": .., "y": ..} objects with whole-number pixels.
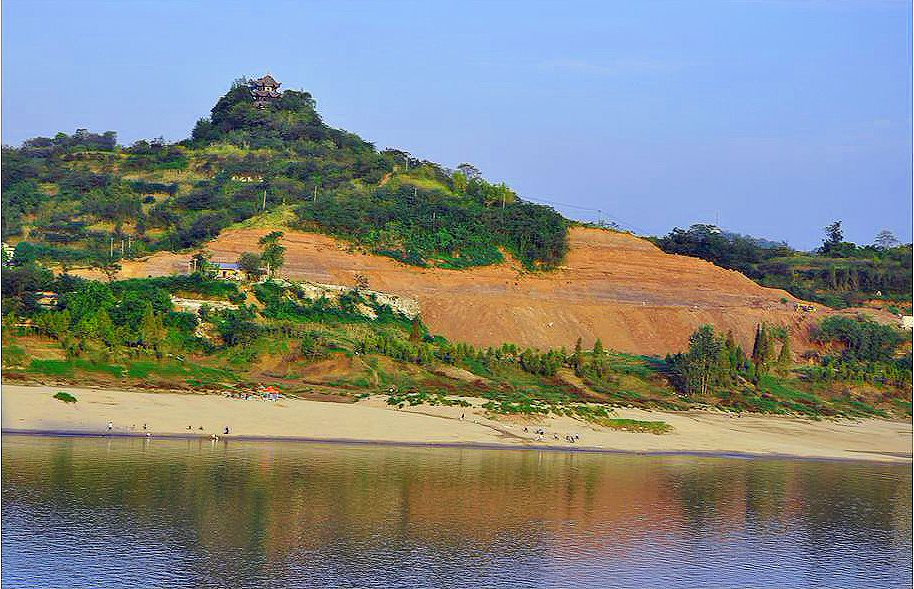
[{"x": 267, "y": 80}]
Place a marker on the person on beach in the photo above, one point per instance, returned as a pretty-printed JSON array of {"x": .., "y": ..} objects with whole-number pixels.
[
  {"x": 110, "y": 425},
  {"x": 226, "y": 430}
]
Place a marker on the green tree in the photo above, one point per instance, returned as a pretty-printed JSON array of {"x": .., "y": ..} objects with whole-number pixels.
[
  {"x": 272, "y": 253},
  {"x": 756, "y": 344},
  {"x": 469, "y": 171},
  {"x": 416, "y": 330},
  {"x": 575, "y": 359},
  {"x": 105, "y": 330},
  {"x": 833, "y": 233},
  {"x": 54, "y": 324},
  {"x": 92, "y": 297},
  {"x": 701, "y": 360},
  {"x": 202, "y": 264},
  {"x": 309, "y": 346},
  {"x": 460, "y": 183},
  {"x": 769, "y": 350},
  {"x": 250, "y": 264},
  {"x": 598, "y": 348},
  {"x": 152, "y": 333},
  {"x": 763, "y": 354},
  {"x": 784, "y": 359}
]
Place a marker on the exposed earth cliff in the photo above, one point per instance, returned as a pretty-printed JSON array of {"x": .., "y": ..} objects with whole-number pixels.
[{"x": 613, "y": 286}]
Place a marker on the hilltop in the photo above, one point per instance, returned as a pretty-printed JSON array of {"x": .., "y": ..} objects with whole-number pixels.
[{"x": 71, "y": 199}]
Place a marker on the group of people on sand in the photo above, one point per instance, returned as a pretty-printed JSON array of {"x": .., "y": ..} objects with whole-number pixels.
[
  {"x": 110, "y": 427},
  {"x": 132, "y": 428},
  {"x": 540, "y": 433},
  {"x": 260, "y": 396}
]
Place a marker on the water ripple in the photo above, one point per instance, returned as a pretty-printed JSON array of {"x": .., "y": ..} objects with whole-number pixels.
[{"x": 130, "y": 513}]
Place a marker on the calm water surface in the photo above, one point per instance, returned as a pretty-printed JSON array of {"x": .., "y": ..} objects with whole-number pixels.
[{"x": 84, "y": 512}]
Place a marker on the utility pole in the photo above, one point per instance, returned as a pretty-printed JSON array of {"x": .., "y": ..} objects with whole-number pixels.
[
  {"x": 315, "y": 193},
  {"x": 264, "y": 199},
  {"x": 111, "y": 248}
]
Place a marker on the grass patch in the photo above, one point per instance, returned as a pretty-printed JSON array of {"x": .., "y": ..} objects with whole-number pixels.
[
  {"x": 278, "y": 218},
  {"x": 633, "y": 425},
  {"x": 67, "y": 368},
  {"x": 13, "y": 356},
  {"x": 65, "y": 397},
  {"x": 414, "y": 399}
]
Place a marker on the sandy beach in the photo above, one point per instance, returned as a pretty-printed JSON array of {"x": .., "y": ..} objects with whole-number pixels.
[{"x": 33, "y": 409}]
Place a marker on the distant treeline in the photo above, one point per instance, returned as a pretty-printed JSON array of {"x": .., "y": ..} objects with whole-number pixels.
[{"x": 839, "y": 274}]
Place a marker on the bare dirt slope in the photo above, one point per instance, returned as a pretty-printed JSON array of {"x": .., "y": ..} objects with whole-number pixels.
[{"x": 614, "y": 286}]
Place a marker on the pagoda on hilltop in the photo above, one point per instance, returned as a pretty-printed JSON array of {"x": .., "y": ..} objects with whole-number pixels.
[{"x": 264, "y": 91}]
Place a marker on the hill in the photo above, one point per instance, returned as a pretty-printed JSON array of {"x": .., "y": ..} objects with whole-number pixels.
[
  {"x": 83, "y": 200},
  {"x": 506, "y": 288}
]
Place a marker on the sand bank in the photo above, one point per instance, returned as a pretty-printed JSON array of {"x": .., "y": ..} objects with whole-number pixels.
[{"x": 33, "y": 408}]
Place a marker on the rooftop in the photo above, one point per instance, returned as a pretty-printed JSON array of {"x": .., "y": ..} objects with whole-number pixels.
[{"x": 267, "y": 80}]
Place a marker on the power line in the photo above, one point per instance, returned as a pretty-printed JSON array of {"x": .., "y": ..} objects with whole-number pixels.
[
  {"x": 583, "y": 208},
  {"x": 563, "y": 204}
]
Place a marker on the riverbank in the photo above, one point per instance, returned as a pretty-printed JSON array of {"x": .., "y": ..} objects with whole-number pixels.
[{"x": 34, "y": 409}]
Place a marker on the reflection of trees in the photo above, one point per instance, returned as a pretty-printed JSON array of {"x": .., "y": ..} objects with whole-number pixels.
[
  {"x": 282, "y": 503},
  {"x": 280, "y": 499},
  {"x": 837, "y": 503},
  {"x": 846, "y": 503}
]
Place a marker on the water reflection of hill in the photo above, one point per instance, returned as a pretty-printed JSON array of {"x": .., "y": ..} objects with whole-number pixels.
[{"x": 287, "y": 502}]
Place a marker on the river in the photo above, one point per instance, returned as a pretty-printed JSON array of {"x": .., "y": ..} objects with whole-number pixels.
[{"x": 131, "y": 512}]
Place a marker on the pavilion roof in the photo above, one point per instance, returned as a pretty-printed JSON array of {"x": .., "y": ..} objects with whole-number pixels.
[{"x": 267, "y": 80}]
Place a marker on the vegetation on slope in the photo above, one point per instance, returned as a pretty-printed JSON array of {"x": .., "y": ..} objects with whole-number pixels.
[
  {"x": 83, "y": 200},
  {"x": 128, "y": 333},
  {"x": 839, "y": 274},
  {"x": 862, "y": 356}
]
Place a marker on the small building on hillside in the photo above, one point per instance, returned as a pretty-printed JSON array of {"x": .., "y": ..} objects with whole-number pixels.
[
  {"x": 264, "y": 91},
  {"x": 47, "y": 299},
  {"x": 228, "y": 271}
]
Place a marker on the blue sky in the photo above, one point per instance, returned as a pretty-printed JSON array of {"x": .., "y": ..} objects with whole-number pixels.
[{"x": 770, "y": 118}]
